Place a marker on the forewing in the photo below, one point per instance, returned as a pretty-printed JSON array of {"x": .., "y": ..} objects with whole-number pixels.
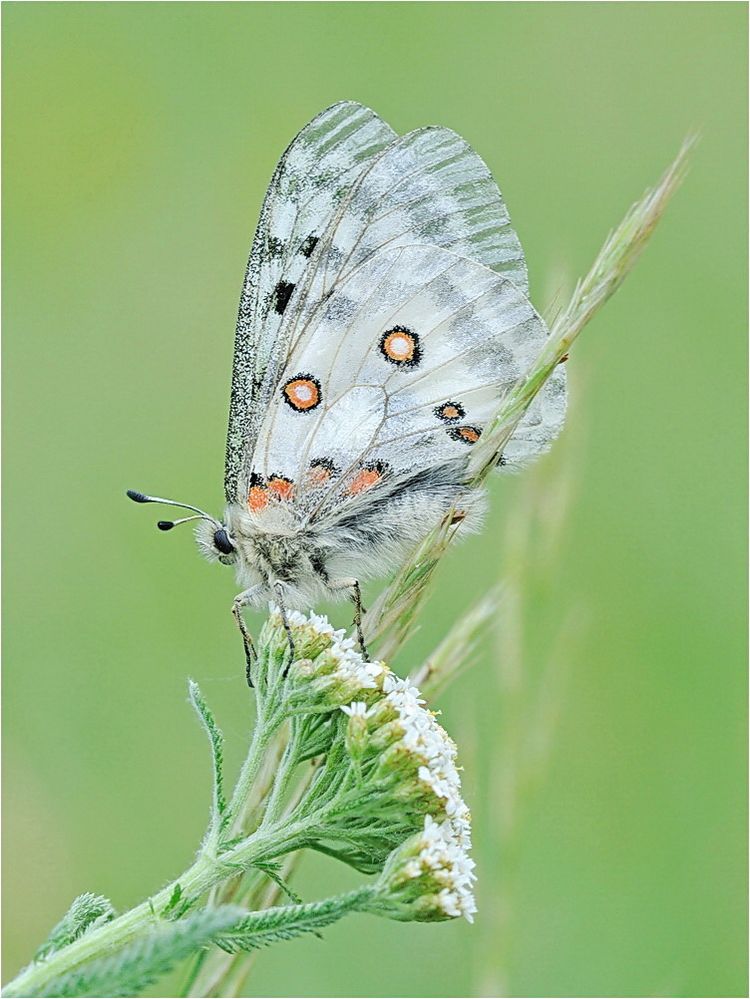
[
  {"x": 430, "y": 187},
  {"x": 398, "y": 371},
  {"x": 311, "y": 180}
]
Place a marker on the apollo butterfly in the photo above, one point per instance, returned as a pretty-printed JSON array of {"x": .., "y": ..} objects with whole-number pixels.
[{"x": 383, "y": 317}]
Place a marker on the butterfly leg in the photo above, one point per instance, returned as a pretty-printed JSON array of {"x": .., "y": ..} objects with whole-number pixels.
[
  {"x": 244, "y": 599},
  {"x": 278, "y": 589},
  {"x": 353, "y": 585}
]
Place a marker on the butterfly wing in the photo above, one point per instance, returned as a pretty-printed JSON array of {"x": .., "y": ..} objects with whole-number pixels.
[
  {"x": 311, "y": 179},
  {"x": 345, "y": 189},
  {"x": 428, "y": 186},
  {"x": 397, "y": 372}
]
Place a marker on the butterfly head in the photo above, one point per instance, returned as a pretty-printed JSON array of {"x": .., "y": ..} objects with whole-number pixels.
[
  {"x": 215, "y": 542},
  {"x": 214, "y": 538}
]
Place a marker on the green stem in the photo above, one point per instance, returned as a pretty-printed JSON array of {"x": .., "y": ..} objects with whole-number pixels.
[
  {"x": 265, "y": 729},
  {"x": 109, "y": 937},
  {"x": 281, "y": 783},
  {"x": 207, "y": 871}
]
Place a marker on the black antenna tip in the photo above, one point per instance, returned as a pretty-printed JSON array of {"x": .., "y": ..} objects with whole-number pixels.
[
  {"x": 165, "y": 525},
  {"x": 136, "y": 496}
]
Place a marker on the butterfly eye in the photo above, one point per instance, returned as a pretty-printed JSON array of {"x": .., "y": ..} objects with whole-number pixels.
[{"x": 222, "y": 542}]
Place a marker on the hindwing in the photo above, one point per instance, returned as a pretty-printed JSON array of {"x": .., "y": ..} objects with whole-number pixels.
[{"x": 397, "y": 372}]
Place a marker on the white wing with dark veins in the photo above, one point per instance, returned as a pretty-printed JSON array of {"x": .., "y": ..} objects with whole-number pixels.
[
  {"x": 398, "y": 371},
  {"x": 312, "y": 177},
  {"x": 360, "y": 229}
]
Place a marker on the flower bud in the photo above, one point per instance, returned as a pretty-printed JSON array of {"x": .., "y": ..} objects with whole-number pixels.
[
  {"x": 311, "y": 635},
  {"x": 356, "y": 729},
  {"x": 327, "y": 671}
]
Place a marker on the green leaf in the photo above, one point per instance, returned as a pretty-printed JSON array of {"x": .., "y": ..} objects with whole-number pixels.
[
  {"x": 135, "y": 967},
  {"x": 353, "y": 858},
  {"x": 174, "y": 898},
  {"x": 217, "y": 751},
  {"x": 86, "y": 912},
  {"x": 273, "y": 870},
  {"x": 283, "y": 922}
]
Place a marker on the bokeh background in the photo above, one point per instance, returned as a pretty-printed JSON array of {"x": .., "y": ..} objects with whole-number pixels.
[{"x": 603, "y": 726}]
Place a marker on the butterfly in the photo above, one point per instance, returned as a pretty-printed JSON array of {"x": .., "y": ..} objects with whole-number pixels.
[{"x": 383, "y": 316}]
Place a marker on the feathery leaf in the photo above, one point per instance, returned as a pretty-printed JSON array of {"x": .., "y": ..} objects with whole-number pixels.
[
  {"x": 273, "y": 870},
  {"x": 86, "y": 912},
  {"x": 284, "y": 922},
  {"x": 217, "y": 751},
  {"x": 139, "y": 964}
]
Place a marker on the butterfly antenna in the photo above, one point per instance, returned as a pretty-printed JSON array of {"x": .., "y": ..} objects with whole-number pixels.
[{"x": 167, "y": 525}]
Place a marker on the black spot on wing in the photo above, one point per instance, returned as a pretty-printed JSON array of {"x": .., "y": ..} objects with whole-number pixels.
[
  {"x": 466, "y": 435},
  {"x": 308, "y": 246},
  {"x": 281, "y": 295}
]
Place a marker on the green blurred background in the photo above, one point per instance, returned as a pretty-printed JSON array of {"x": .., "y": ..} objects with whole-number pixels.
[{"x": 605, "y": 759}]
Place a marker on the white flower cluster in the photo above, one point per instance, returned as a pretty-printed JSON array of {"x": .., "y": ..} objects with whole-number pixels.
[
  {"x": 395, "y": 744},
  {"x": 318, "y": 622},
  {"x": 333, "y": 667},
  {"x": 353, "y": 668},
  {"x": 429, "y": 741},
  {"x": 442, "y": 848},
  {"x": 444, "y": 858}
]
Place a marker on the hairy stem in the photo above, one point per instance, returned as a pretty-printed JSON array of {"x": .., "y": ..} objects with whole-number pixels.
[{"x": 207, "y": 871}]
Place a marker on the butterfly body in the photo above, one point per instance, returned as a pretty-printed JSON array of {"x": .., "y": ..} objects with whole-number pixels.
[{"x": 276, "y": 552}]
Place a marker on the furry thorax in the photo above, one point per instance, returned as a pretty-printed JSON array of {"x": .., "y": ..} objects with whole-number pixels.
[{"x": 309, "y": 560}]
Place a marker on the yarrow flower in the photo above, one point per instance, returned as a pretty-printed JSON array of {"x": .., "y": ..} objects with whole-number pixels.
[
  {"x": 356, "y": 730},
  {"x": 429, "y": 877},
  {"x": 391, "y": 790},
  {"x": 358, "y": 709},
  {"x": 328, "y": 670},
  {"x": 416, "y": 744},
  {"x": 312, "y": 633}
]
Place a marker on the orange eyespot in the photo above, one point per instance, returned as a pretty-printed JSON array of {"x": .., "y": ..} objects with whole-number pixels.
[
  {"x": 302, "y": 393},
  {"x": 450, "y": 412},
  {"x": 400, "y": 346},
  {"x": 468, "y": 435},
  {"x": 281, "y": 487},
  {"x": 367, "y": 477},
  {"x": 363, "y": 480}
]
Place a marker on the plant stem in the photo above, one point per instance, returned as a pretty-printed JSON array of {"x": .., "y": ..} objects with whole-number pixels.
[
  {"x": 207, "y": 871},
  {"x": 391, "y": 618},
  {"x": 111, "y": 936},
  {"x": 284, "y": 774},
  {"x": 265, "y": 729}
]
